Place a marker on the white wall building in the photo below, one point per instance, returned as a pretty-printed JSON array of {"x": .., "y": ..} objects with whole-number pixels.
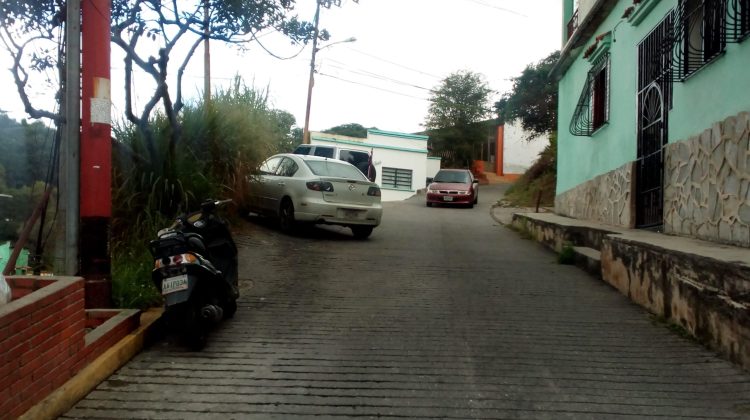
[
  {"x": 400, "y": 159},
  {"x": 520, "y": 152},
  {"x": 433, "y": 166}
]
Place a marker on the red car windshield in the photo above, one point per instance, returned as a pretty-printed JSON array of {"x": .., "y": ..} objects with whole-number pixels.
[{"x": 454, "y": 177}]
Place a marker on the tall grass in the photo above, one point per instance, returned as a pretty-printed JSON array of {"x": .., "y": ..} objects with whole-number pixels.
[{"x": 220, "y": 144}]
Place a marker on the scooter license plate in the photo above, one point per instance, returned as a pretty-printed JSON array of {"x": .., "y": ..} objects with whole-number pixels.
[{"x": 174, "y": 284}]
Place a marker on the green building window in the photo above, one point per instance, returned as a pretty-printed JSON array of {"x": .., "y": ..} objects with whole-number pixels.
[
  {"x": 599, "y": 99},
  {"x": 592, "y": 111},
  {"x": 739, "y": 20},
  {"x": 702, "y": 27}
]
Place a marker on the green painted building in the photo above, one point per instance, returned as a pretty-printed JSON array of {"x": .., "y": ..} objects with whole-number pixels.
[
  {"x": 654, "y": 116},
  {"x": 23, "y": 258}
]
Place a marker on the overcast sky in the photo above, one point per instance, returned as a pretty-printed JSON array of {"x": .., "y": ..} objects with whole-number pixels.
[{"x": 403, "y": 48}]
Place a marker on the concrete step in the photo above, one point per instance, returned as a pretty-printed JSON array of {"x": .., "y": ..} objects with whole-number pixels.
[{"x": 589, "y": 259}]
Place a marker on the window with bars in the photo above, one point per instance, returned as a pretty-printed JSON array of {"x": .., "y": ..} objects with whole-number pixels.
[
  {"x": 702, "y": 32},
  {"x": 592, "y": 110},
  {"x": 738, "y": 21},
  {"x": 599, "y": 99},
  {"x": 656, "y": 60},
  {"x": 397, "y": 178}
]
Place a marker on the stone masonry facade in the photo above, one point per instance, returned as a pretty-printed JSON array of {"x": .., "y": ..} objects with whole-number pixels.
[
  {"x": 607, "y": 199},
  {"x": 707, "y": 184}
]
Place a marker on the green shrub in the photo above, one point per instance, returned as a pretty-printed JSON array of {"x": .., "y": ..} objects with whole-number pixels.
[
  {"x": 131, "y": 278},
  {"x": 567, "y": 255}
]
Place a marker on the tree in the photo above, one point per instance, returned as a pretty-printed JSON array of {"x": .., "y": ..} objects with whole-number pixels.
[
  {"x": 25, "y": 150},
  {"x": 150, "y": 33},
  {"x": 31, "y": 33},
  {"x": 457, "y": 107},
  {"x": 351, "y": 130},
  {"x": 147, "y": 31},
  {"x": 288, "y": 136},
  {"x": 533, "y": 99},
  {"x": 147, "y": 25}
]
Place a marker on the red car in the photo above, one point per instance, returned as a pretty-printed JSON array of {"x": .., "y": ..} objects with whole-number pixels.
[{"x": 453, "y": 186}]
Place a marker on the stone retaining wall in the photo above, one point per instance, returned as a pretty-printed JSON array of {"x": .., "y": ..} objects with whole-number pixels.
[
  {"x": 707, "y": 184},
  {"x": 681, "y": 280},
  {"x": 708, "y": 298},
  {"x": 608, "y": 198}
]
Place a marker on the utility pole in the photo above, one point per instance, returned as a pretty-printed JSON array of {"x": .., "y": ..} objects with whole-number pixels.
[
  {"x": 327, "y": 4},
  {"x": 306, "y": 130},
  {"x": 206, "y": 54},
  {"x": 96, "y": 153},
  {"x": 67, "y": 257}
]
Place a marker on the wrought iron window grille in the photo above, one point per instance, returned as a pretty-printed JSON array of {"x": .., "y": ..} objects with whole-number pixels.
[
  {"x": 656, "y": 60},
  {"x": 573, "y": 24},
  {"x": 592, "y": 110},
  {"x": 700, "y": 34},
  {"x": 738, "y": 20}
]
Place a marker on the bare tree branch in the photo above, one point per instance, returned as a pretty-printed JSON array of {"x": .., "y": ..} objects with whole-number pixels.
[
  {"x": 178, "y": 103},
  {"x": 21, "y": 77}
]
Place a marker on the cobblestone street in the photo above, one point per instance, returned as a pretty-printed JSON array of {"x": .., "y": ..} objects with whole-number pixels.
[{"x": 442, "y": 313}]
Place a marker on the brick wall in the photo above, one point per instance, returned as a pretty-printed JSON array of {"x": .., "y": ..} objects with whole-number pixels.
[
  {"x": 22, "y": 286},
  {"x": 110, "y": 326},
  {"x": 41, "y": 335}
]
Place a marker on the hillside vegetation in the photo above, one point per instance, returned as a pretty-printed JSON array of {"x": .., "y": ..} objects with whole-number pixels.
[
  {"x": 533, "y": 101},
  {"x": 539, "y": 178}
]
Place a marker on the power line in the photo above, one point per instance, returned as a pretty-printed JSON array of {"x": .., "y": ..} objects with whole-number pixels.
[
  {"x": 274, "y": 55},
  {"x": 492, "y": 6},
  {"x": 376, "y": 76},
  {"x": 394, "y": 63},
  {"x": 372, "y": 87}
]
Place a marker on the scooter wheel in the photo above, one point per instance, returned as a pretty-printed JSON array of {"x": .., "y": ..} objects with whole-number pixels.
[
  {"x": 196, "y": 341},
  {"x": 195, "y": 332},
  {"x": 230, "y": 308}
]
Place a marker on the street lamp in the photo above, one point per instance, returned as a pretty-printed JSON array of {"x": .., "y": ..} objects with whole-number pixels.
[{"x": 315, "y": 49}]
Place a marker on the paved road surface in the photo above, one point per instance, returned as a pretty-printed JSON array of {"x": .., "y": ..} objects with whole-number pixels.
[{"x": 441, "y": 314}]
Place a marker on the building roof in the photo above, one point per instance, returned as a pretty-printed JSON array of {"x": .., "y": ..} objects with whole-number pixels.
[
  {"x": 343, "y": 140},
  {"x": 395, "y": 134}
]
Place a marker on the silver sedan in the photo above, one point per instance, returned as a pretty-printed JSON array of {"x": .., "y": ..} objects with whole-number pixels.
[{"x": 310, "y": 189}]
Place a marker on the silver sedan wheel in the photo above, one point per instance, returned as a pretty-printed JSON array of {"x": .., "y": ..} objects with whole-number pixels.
[{"x": 286, "y": 216}]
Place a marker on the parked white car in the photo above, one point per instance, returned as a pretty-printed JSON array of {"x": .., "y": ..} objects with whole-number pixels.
[{"x": 311, "y": 189}]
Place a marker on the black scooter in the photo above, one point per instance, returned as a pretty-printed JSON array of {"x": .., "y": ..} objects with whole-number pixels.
[{"x": 195, "y": 269}]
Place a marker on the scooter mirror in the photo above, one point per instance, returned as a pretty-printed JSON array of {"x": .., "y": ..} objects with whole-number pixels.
[{"x": 208, "y": 206}]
